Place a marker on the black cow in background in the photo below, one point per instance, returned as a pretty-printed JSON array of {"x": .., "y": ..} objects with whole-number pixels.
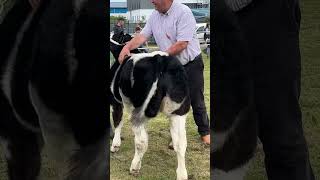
[
  {"x": 53, "y": 81},
  {"x": 234, "y": 125},
  {"x": 146, "y": 84}
]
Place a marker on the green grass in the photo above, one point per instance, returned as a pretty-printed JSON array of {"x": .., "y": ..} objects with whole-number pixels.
[
  {"x": 310, "y": 89},
  {"x": 160, "y": 163}
]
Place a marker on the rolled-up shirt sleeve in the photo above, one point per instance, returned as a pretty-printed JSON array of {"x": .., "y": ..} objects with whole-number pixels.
[
  {"x": 147, "y": 30},
  {"x": 186, "y": 27}
]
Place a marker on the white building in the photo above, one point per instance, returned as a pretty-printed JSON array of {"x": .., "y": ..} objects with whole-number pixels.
[
  {"x": 119, "y": 8},
  {"x": 140, "y": 10}
]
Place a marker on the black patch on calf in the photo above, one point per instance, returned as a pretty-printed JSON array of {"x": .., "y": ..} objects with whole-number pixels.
[
  {"x": 123, "y": 78},
  {"x": 155, "y": 102},
  {"x": 178, "y": 89},
  {"x": 172, "y": 82},
  {"x": 117, "y": 113},
  {"x": 116, "y": 85},
  {"x": 145, "y": 73}
]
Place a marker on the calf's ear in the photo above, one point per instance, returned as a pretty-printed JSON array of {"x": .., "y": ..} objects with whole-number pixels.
[{"x": 162, "y": 62}]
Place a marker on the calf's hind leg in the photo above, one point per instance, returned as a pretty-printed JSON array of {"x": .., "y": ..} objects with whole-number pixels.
[{"x": 118, "y": 123}]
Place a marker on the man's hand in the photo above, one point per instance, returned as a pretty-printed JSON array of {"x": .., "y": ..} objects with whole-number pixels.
[
  {"x": 177, "y": 48},
  {"x": 132, "y": 44},
  {"x": 123, "y": 54},
  {"x": 34, "y": 3}
]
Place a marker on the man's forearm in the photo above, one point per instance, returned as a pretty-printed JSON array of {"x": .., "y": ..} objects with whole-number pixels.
[
  {"x": 136, "y": 42},
  {"x": 177, "y": 48}
]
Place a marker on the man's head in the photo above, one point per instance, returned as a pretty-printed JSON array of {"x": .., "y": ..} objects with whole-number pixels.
[
  {"x": 120, "y": 22},
  {"x": 138, "y": 29},
  {"x": 162, "y": 5}
]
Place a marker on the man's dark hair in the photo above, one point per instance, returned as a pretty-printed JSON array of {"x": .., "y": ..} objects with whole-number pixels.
[{"x": 138, "y": 28}]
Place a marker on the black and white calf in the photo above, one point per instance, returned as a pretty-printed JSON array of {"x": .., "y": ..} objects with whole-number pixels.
[
  {"x": 234, "y": 125},
  {"x": 145, "y": 84},
  {"x": 53, "y": 82}
]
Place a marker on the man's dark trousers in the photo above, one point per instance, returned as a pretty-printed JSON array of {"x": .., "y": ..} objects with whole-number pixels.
[
  {"x": 194, "y": 71},
  {"x": 272, "y": 30}
]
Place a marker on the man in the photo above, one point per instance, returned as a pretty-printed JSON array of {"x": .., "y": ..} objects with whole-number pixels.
[
  {"x": 173, "y": 27},
  {"x": 271, "y": 28},
  {"x": 119, "y": 26}
]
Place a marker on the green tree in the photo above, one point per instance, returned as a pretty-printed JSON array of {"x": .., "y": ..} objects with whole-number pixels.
[{"x": 114, "y": 19}]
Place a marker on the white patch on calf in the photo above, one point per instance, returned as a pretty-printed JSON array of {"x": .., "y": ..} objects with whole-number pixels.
[
  {"x": 168, "y": 106},
  {"x": 5, "y": 147},
  {"x": 128, "y": 106},
  {"x": 113, "y": 41},
  {"x": 137, "y": 57},
  {"x": 141, "y": 146},
  {"x": 150, "y": 95},
  {"x": 116, "y": 142},
  {"x": 112, "y": 85},
  {"x": 179, "y": 141}
]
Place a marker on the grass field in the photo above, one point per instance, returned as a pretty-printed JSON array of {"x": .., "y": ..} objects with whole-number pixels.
[
  {"x": 310, "y": 90},
  {"x": 159, "y": 163}
]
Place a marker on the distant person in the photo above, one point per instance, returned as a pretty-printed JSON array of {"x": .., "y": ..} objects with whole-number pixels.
[
  {"x": 137, "y": 30},
  {"x": 208, "y": 47},
  {"x": 139, "y": 25},
  {"x": 119, "y": 26},
  {"x": 206, "y": 32}
]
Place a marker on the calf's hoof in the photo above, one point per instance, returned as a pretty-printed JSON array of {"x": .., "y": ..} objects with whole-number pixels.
[
  {"x": 135, "y": 172},
  {"x": 182, "y": 174},
  {"x": 182, "y": 178},
  {"x": 115, "y": 149}
]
